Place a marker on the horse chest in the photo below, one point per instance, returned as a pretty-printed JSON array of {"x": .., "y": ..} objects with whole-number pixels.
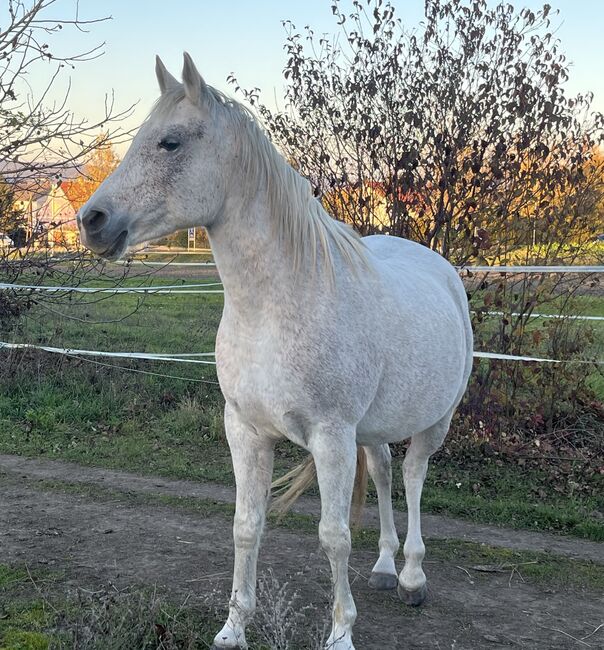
[{"x": 259, "y": 383}]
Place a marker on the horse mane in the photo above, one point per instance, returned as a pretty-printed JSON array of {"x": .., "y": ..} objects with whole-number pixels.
[{"x": 303, "y": 226}]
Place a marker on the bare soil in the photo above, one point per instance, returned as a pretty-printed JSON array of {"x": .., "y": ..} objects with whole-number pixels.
[{"x": 100, "y": 541}]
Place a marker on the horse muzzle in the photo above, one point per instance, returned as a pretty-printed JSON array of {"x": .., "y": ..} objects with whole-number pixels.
[{"x": 103, "y": 233}]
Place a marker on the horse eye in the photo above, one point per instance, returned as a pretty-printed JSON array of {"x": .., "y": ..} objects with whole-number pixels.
[{"x": 168, "y": 145}]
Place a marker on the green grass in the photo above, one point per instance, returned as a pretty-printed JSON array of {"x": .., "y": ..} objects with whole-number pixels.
[
  {"x": 180, "y": 435},
  {"x": 175, "y": 256},
  {"x": 164, "y": 427},
  {"x": 510, "y": 501},
  {"x": 590, "y": 334},
  {"x": 23, "y": 620},
  {"x": 155, "y": 323}
]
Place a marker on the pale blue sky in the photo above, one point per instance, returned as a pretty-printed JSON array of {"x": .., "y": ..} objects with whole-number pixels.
[{"x": 247, "y": 38}]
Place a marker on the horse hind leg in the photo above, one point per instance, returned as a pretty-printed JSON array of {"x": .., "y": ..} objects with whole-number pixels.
[
  {"x": 412, "y": 580},
  {"x": 383, "y": 575}
]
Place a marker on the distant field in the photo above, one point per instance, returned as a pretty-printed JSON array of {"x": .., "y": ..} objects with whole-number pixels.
[{"x": 578, "y": 253}]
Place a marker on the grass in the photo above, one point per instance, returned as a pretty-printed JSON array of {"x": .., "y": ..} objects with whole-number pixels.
[
  {"x": 43, "y": 611},
  {"x": 511, "y": 502},
  {"x": 40, "y": 612},
  {"x": 182, "y": 437},
  {"x": 83, "y": 411},
  {"x": 175, "y": 256},
  {"x": 23, "y": 621},
  {"x": 590, "y": 333}
]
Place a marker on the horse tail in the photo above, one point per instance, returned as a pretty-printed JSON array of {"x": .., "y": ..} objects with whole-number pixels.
[
  {"x": 359, "y": 492},
  {"x": 290, "y": 487}
]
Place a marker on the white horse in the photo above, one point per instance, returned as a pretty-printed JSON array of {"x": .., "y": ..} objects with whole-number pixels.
[{"x": 334, "y": 342}]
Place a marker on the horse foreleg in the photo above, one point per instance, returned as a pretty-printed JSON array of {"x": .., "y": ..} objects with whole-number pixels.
[
  {"x": 383, "y": 574},
  {"x": 334, "y": 454},
  {"x": 412, "y": 580},
  {"x": 252, "y": 456}
]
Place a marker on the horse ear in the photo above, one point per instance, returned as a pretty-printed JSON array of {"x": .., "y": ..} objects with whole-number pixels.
[
  {"x": 195, "y": 86},
  {"x": 164, "y": 78}
]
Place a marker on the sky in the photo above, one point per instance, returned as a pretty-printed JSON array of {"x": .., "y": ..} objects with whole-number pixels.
[{"x": 246, "y": 38}]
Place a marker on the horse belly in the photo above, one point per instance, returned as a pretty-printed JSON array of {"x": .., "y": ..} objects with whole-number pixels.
[{"x": 424, "y": 375}]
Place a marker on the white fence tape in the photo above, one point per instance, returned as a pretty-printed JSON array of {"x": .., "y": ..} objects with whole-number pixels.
[
  {"x": 149, "y": 356},
  {"x": 201, "y": 288},
  {"x": 531, "y": 269},
  {"x": 195, "y": 251},
  {"x": 169, "y": 288},
  {"x": 514, "y": 357},
  {"x": 558, "y": 316},
  {"x": 473, "y": 269},
  {"x": 143, "y": 263},
  {"x": 186, "y": 357},
  {"x": 188, "y": 289}
]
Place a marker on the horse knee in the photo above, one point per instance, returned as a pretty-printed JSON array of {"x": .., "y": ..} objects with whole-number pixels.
[
  {"x": 334, "y": 538},
  {"x": 247, "y": 530}
]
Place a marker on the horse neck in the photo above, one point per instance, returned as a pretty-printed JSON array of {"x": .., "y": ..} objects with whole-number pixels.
[{"x": 253, "y": 265}]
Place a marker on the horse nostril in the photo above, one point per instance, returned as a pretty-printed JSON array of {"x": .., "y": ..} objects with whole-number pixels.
[{"x": 94, "y": 220}]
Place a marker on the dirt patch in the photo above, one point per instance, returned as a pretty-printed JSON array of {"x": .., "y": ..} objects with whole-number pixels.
[{"x": 113, "y": 541}]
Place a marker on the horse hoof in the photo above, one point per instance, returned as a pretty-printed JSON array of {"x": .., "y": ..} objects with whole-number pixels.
[
  {"x": 383, "y": 581},
  {"x": 413, "y": 598}
]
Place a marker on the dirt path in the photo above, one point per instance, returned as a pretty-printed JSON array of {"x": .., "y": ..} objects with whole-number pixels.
[
  {"x": 100, "y": 541},
  {"x": 433, "y": 526}
]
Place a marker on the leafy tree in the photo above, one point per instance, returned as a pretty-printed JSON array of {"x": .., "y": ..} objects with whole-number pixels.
[{"x": 463, "y": 122}]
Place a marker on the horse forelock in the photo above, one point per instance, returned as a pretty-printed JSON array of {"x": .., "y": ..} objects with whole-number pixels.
[{"x": 305, "y": 229}]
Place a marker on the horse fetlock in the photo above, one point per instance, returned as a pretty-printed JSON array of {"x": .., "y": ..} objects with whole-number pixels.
[
  {"x": 385, "y": 563},
  {"x": 412, "y": 578},
  {"x": 231, "y": 637},
  {"x": 339, "y": 641},
  {"x": 388, "y": 546},
  {"x": 414, "y": 550},
  {"x": 241, "y": 609},
  {"x": 340, "y": 645}
]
